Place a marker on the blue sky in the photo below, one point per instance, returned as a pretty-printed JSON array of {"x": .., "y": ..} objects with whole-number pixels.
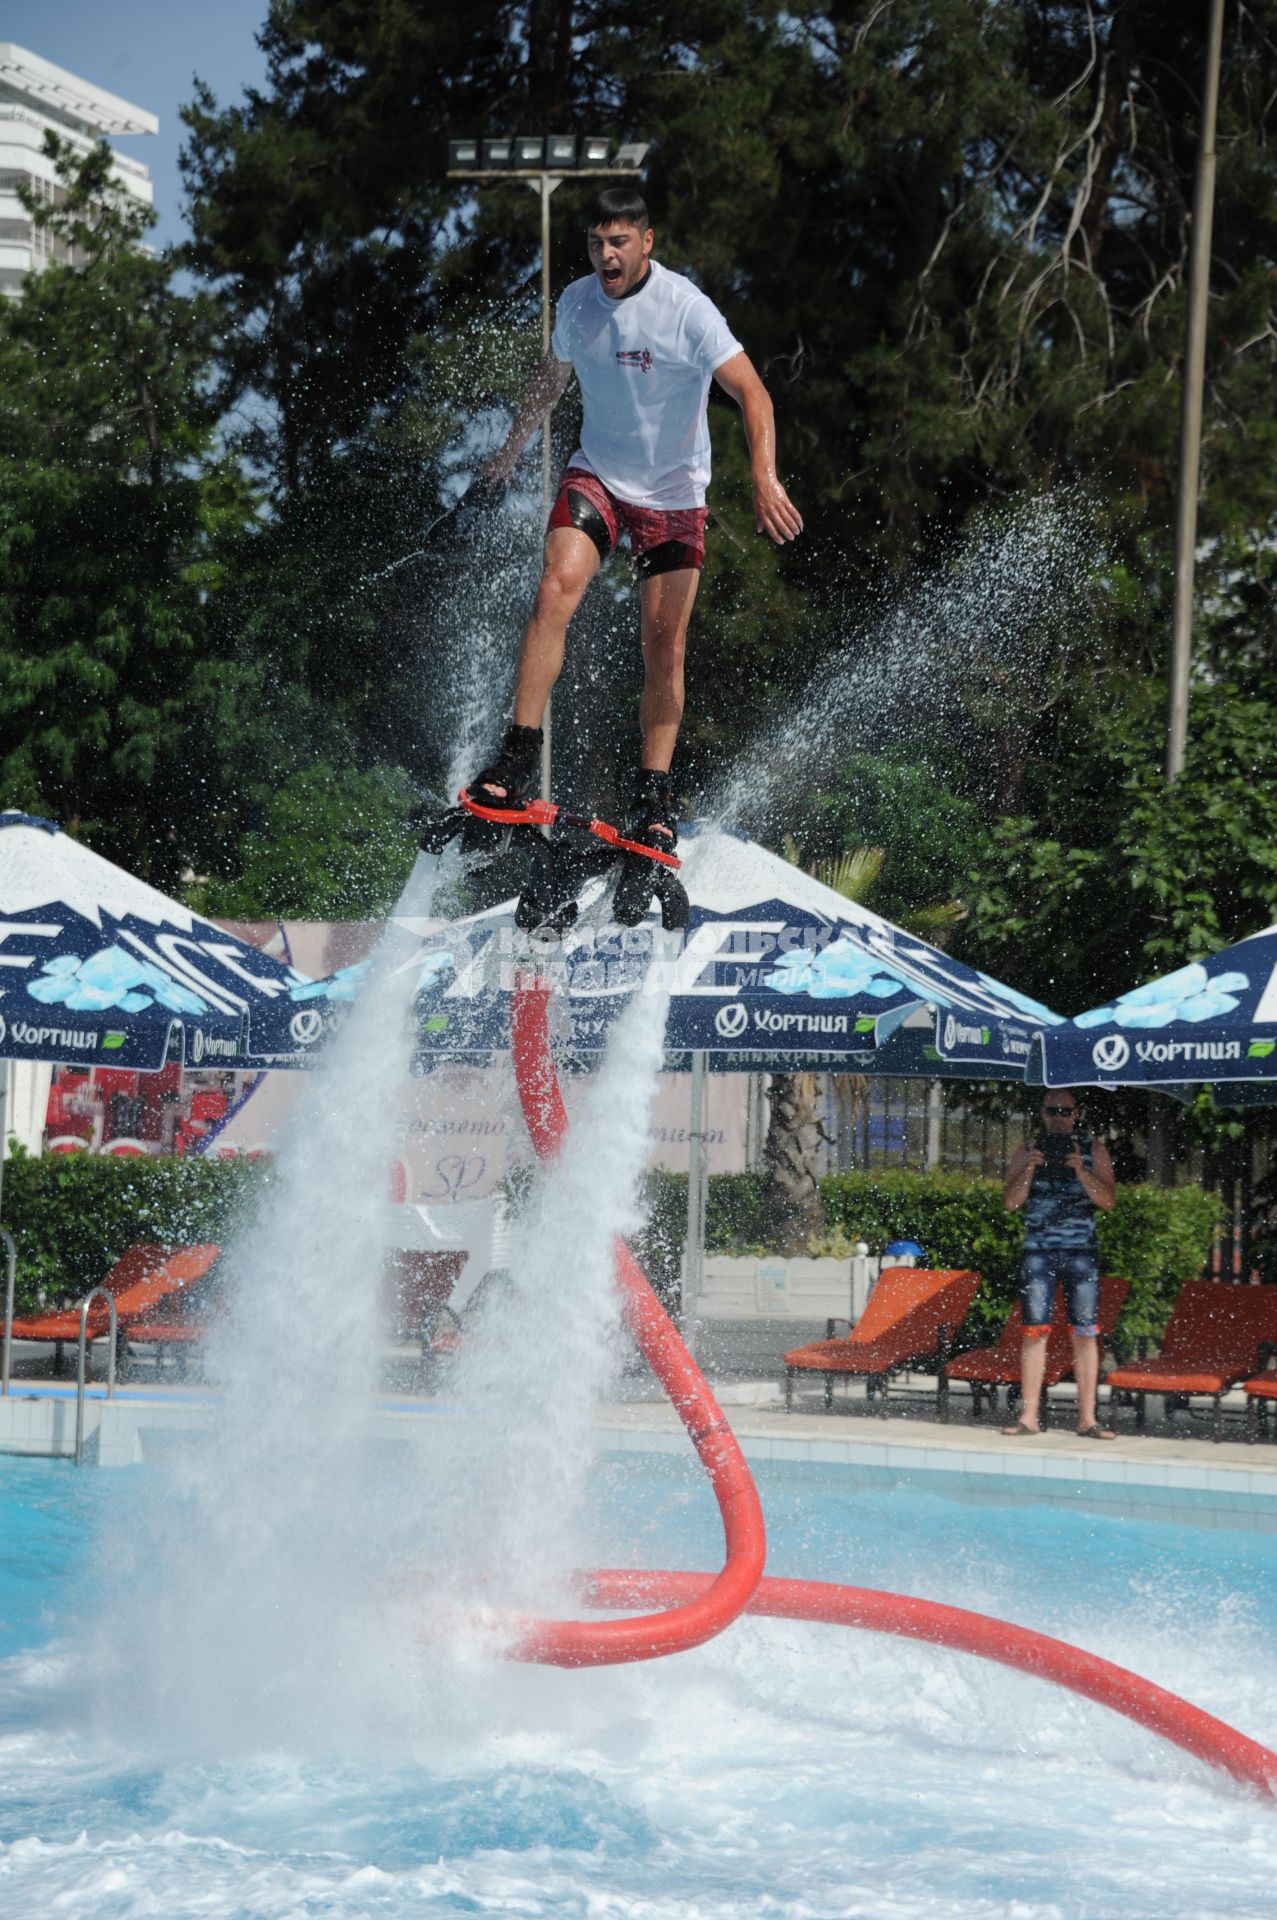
[{"x": 148, "y": 51}]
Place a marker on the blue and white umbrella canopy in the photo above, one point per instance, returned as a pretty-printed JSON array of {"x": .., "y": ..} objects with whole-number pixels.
[
  {"x": 1214, "y": 1021},
  {"x": 771, "y": 963},
  {"x": 99, "y": 969}
]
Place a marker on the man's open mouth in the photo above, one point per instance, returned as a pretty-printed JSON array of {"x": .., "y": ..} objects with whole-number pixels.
[{"x": 611, "y": 275}]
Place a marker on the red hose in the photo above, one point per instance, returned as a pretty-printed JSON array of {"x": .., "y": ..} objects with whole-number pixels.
[
  {"x": 1037, "y": 1653},
  {"x": 594, "y": 1643},
  {"x": 701, "y": 1605}
]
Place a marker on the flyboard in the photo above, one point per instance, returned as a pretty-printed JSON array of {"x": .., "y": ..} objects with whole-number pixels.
[
  {"x": 583, "y": 847},
  {"x": 696, "y": 1607}
]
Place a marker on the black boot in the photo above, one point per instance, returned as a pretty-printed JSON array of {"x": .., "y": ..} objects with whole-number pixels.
[
  {"x": 515, "y": 774},
  {"x": 651, "y": 816},
  {"x": 642, "y": 880}
]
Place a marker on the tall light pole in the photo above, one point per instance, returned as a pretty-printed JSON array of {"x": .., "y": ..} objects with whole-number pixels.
[
  {"x": 542, "y": 161},
  {"x": 1189, "y": 477},
  {"x": 1190, "y": 428}
]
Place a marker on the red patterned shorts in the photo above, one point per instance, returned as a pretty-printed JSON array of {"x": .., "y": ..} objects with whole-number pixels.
[{"x": 659, "y": 542}]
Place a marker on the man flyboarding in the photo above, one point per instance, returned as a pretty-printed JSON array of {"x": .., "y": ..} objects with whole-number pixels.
[{"x": 644, "y": 344}]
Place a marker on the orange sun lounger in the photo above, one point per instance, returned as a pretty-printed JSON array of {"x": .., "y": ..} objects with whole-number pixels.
[
  {"x": 140, "y": 1280},
  {"x": 912, "y": 1314},
  {"x": 1212, "y": 1341},
  {"x": 416, "y": 1287},
  {"x": 1259, "y": 1390},
  {"x": 988, "y": 1368}
]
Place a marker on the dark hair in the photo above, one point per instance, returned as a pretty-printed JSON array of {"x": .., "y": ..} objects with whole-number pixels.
[{"x": 619, "y": 203}]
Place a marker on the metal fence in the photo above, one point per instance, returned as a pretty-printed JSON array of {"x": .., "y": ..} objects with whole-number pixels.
[{"x": 909, "y": 1124}]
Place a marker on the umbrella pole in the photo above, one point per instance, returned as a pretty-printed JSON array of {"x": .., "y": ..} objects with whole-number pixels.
[
  {"x": 6, "y": 1070},
  {"x": 694, "y": 1250}
]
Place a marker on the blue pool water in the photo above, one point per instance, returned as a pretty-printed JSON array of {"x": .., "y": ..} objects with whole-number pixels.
[{"x": 787, "y": 1771}]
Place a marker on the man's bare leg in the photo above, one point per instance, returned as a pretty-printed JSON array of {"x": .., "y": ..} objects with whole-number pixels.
[
  {"x": 571, "y": 562},
  {"x": 1032, "y": 1371},
  {"x": 667, "y": 602},
  {"x": 1086, "y": 1371}
]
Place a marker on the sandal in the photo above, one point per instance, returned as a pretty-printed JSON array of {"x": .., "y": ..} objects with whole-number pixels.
[
  {"x": 1019, "y": 1432},
  {"x": 1096, "y": 1432}
]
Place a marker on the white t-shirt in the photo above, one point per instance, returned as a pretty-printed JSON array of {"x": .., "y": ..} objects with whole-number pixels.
[{"x": 644, "y": 363}]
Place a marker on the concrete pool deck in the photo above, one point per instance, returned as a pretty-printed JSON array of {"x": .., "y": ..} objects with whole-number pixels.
[
  {"x": 1159, "y": 1476},
  {"x": 1181, "y": 1476}
]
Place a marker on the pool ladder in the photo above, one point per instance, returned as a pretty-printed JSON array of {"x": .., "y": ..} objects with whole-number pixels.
[{"x": 82, "y": 1345}]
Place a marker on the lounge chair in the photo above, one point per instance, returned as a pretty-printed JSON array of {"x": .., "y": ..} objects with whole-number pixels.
[
  {"x": 415, "y": 1301},
  {"x": 1259, "y": 1390},
  {"x": 418, "y": 1285},
  {"x": 988, "y": 1368},
  {"x": 1212, "y": 1341},
  {"x": 175, "y": 1322},
  {"x": 911, "y": 1316},
  {"x": 164, "y": 1335},
  {"x": 139, "y": 1281}
]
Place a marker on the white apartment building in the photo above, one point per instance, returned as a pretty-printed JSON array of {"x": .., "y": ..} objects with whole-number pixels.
[{"x": 35, "y": 96}]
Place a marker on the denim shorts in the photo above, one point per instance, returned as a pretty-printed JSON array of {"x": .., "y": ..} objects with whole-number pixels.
[{"x": 1042, "y": 1273}]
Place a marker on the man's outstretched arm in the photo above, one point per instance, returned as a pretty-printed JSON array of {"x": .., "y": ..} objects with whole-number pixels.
[
  {"x": 774, "y": 512},
  {"x": 544, "y": 392}
]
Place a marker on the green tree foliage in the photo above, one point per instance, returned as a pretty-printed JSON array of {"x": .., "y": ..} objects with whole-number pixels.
[
  {"x": 934, "y": 835},
  {"x": 952, "y": 237},
  {"x": 319, "y": 205},
  {"x": 115, "y": 514},
  {"x": 1151, "y": 877},
  {"x": 325, "y": 845}
]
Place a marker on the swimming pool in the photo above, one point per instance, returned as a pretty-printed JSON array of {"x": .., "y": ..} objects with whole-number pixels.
[{"x": 784, "y": 1770}]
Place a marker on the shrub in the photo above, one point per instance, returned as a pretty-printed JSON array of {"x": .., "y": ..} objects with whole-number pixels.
[
  {"x": 1156, "y": 1237},
  {"x": 73, "y": 1215},
  {"x": 734, "y": 1213}
]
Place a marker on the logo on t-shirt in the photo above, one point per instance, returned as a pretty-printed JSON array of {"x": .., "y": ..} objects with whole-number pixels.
[{"x": 638, "y": 357}]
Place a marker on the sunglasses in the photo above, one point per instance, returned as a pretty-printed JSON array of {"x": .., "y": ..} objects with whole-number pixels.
[{"x": 1057, "y": 1111}]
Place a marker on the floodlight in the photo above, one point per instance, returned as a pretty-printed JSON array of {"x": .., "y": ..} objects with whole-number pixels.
[
  {"x": 594, "y": 152},
  {"x": 497, "y": 154},
  {"x": 463, "y": 155},
  {"x": 632, "y": 154},
  {"x": 561, "y": 150},
  {"x": 529, "y": 150}
]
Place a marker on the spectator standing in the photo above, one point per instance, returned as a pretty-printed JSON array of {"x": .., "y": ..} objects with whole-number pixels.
[{"x": 1060, "y": 1178}]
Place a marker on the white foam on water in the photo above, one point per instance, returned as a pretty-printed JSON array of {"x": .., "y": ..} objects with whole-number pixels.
[
  {"x": 280, "y": 1706},
  {"x": 785, "y": 1770},
  {"x": 510, "y": 1471},
  {"x": 261, "y": 1586},
  {"x": 302, "y": 1585}
]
